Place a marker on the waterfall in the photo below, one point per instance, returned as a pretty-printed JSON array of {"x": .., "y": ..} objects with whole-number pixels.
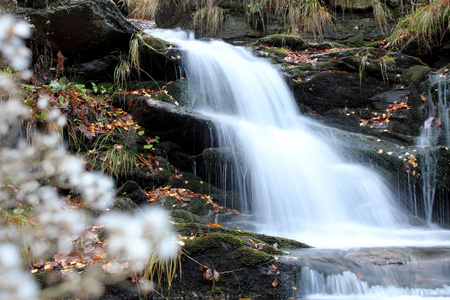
[{"x": 296, "y": 184}]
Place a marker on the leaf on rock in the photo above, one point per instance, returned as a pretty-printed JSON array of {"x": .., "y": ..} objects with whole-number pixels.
[
  {"x": 275, "y": 283},
  {"x": 274, "y": 267},
  {"x": 211, "y": 274}
]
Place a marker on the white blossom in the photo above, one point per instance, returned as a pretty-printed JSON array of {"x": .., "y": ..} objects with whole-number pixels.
[{"x": 32, "y": 174}]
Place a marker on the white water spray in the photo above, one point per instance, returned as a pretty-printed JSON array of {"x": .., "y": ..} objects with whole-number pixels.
[
  {"x": 300, "y": 186},
  {"x": 435, "y": 133}
]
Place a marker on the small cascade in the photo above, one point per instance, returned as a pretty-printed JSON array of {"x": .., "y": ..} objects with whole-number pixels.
[
  {"x": 350, "y": 284},
  {"x": 435, "y": 133},
  {"x": 374, "y": 273}
]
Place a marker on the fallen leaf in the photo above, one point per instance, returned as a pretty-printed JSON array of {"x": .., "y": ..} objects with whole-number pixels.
[
  {"x": 275, "y": 283},
  {"x": 211, "y": 274},
  {"x": 274, "y": 267},
  {"x": 406, "y": 168}
]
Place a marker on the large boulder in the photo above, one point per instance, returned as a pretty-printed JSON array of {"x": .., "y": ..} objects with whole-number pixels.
[
  {"x": 190, "y": 130},
  {"x": 83, "y": 30}
]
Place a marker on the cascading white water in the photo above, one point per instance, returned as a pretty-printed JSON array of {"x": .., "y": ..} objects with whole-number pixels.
[
  {"x": 431, "y": 137},
  {"x": 295, "y": 183},
  {"x": 300, "y": 186}
]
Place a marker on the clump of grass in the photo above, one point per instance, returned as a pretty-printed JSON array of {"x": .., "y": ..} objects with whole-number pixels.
[
  {"x": 382, "y": 15},
  {"x": 112, "y": 155},
  {"x": 387, "y": 66},
  {"x": 209, "y": 18},
  {"x": 310, "y": 16},
  {"x": 161, "y": 270},
  {"x": 141, "y": 9},
  {"x": 132, "y": 61},
  {"x": 427, "y": 25},
  {"x": 385, "y": 63},
  {"x": 122, "y": 71}
]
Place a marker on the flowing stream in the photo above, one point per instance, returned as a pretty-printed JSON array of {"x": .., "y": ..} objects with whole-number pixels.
[{"x": 291, "y": 180}]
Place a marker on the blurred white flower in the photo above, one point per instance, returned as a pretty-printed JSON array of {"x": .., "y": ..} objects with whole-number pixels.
[
  {"x": 135, "y": 236},
  {"x": 43, "y": 102},
  {"x": 34, "y": 170},
  {"x": 9, "y": 256},
  {"x": 15, "y": 283}
]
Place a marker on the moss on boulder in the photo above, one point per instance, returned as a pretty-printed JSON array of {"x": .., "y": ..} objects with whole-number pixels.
[{"x": 294, "y": 43}]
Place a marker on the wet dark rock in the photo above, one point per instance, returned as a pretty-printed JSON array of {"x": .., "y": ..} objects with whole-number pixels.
[
  {"x": 172, "y": 123},
  {"x": 99, "y": 69},
  {"x": 176, "y": 155},
  {"x": 100, "y": 29},
  {"x": 380, "y": 256},
  {"x": 133, "y": 191},
  {"x": 125, "y": 204},
  {"x": 283, "y": 40}
]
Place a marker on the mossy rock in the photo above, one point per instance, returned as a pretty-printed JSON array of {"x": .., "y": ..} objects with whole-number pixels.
[
  {"x": 291, "y": 42},
  {"x": 184, "y": 216},
  {"x": 416, "y": 74},
  {"x": 248, "y": 257},
  {"x": 194, "y": 230},
  {"x": 154, "y": 43},
  {"x": 215, "y": 241},
  {"x": 217, "y": 156},
  {"x": 198, "y": 206},
  {"x": 244, "y": 270},
  {"x": 125, "y": 204},
  {"x": 178, "y": 90}
]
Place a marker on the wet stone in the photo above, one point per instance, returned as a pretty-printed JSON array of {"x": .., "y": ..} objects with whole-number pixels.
[{"x": 379, "y": 256}]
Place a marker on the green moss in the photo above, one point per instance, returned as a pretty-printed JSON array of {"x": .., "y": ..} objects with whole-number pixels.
[
  {"x": 154, "y": 43},
  {"x": 283, "y": 41},
  {"x": 248, "y": 257},
  {"x": 184, "y": 216},
  {"x": 416, "y": 74},
  {"x": 198, "y": 206},
  {"x": 299, "y": 70},
  {"x": 360, "y": 43},
  {"x": 162, "y": 97},
  {"x": 220, "y": 242},
  {"x": 199, "y": 229}
]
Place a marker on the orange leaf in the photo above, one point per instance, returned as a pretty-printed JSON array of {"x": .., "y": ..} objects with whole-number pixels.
[
  {"x": 309, "y": 265},
  {"x": 359, "y": 276},
  {"x": 214, "y": 224},
  {"x": 274, "y": 267},
  {"x": 275, "y": 283}
]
